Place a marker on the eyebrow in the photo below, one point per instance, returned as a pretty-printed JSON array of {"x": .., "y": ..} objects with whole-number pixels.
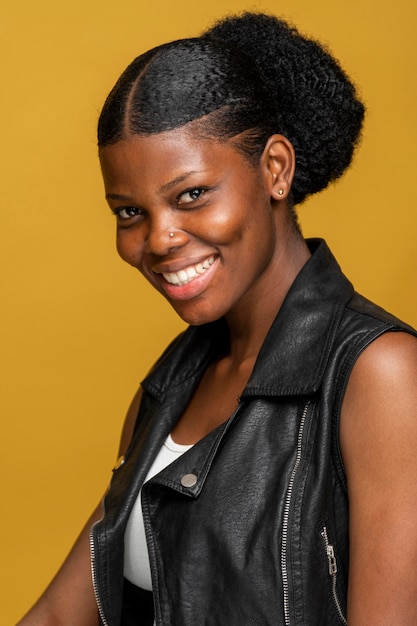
[
  {"x": 178, "y": 179},
  {"x": 118, "y": 196},
  {"x": 175, "y": 181}
]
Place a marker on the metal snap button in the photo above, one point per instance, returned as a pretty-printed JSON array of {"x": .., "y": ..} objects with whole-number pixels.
[{"x": 188, "y": 480}]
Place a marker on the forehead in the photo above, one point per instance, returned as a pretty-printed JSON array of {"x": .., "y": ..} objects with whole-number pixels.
[{"x": 158, "y": 158}]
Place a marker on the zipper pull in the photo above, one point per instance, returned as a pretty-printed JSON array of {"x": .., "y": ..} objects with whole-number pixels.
[{"x": 332, "y": 560}]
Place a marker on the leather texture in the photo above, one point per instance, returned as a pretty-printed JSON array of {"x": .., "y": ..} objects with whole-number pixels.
[{"x": 248, "y": 543}]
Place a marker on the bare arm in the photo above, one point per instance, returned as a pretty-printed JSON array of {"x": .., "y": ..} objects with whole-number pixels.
[
  {"x": 69, "y": 599},
  {"x": 379, "y": 447}
]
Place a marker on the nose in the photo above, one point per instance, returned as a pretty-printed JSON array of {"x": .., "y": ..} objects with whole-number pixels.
[{"x": 164, "y": 236}]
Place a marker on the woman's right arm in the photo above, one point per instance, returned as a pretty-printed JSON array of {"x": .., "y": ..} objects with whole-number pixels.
[{"x": 69, "y": 599}]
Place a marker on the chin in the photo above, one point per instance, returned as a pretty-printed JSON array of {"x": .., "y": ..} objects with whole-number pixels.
[{"x": 196, "y": 317}]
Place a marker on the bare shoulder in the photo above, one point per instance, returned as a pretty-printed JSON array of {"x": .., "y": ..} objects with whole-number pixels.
[
  {"x": 378, "y": 438},
  {"x": 382, "y": 392},
  {"x": 378, "y": 432},
  {"x": 392, "y": 352}
]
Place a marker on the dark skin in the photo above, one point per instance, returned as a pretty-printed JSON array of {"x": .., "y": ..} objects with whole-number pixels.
[
  {"x": 378, "y": 441},
  {"x": 228, "y": 221},
  {"x": 235, "y": 219}
]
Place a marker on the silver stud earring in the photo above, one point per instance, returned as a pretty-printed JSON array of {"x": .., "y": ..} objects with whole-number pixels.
[{"x": 280, "y": 192}]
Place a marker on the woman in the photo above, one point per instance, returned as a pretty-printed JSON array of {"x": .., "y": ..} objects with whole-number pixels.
[{"x": 267, "y": 471}]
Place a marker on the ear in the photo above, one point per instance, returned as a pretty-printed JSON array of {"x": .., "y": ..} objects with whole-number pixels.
[{"x": 279, "y": 161}]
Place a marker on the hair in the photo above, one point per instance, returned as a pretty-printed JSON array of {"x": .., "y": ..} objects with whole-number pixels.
[{"x": 244, "y": 79}]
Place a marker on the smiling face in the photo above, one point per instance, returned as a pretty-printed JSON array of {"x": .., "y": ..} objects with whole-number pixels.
[{"x": 196, "y": 219}]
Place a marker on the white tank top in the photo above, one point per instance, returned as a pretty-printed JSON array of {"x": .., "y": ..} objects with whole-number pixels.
[{"x": 136, "y": 563}]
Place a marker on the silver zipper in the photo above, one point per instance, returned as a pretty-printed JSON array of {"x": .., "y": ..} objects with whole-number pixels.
[
  {"x": 94, "y": 579},
  {"x": 331, "y": 558},
  {"x": 284, "y": 571}
]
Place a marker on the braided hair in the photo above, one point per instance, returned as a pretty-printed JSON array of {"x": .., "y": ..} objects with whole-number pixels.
[{"x": 244, "y": 79}]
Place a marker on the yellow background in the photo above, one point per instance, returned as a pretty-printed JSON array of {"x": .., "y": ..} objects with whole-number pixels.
[{"x": 78, "y": 328}]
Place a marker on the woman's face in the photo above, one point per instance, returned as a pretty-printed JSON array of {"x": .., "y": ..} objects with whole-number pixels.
[{"x": 195, "y": 218}]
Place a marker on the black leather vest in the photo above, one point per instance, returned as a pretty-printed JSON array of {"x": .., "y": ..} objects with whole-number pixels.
[{"x": 250, "y": 526}]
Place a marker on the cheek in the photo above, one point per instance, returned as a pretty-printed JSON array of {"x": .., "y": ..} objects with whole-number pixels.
[
  {"x": 225, "y": 224},
  {"x": 129, "y": 249},
  {"x": 251, "y": 225}
]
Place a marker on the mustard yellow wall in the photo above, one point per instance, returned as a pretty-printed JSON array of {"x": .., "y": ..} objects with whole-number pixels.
[{"x": 79, "y": 329}]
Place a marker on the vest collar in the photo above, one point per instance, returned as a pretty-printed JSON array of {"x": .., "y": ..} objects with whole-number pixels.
[{"x": 294, "y": 355}]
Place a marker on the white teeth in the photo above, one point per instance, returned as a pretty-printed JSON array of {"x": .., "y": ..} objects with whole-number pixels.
[
  {"x": 172, "y": 278},
  {"x": 191, "y": 273},
  {"x": 184, "y": 276}
]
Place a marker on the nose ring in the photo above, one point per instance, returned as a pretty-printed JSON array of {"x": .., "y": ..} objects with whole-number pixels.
[{"x": 171, "y": 234}]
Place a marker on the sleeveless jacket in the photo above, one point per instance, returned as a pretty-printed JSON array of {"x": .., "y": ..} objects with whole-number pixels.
[{"x": 250, "y": 526}]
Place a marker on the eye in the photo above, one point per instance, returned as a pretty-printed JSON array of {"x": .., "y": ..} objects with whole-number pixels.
[
  {"x": 191, "y": 195},
  {"x": 126, "y": 212}
]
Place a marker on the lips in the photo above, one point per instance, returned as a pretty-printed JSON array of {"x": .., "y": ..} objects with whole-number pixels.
[{"x": 187, "y": 274}]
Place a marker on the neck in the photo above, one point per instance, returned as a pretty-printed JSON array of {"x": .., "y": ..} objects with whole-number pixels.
[{"x": 250, "y": 322}]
